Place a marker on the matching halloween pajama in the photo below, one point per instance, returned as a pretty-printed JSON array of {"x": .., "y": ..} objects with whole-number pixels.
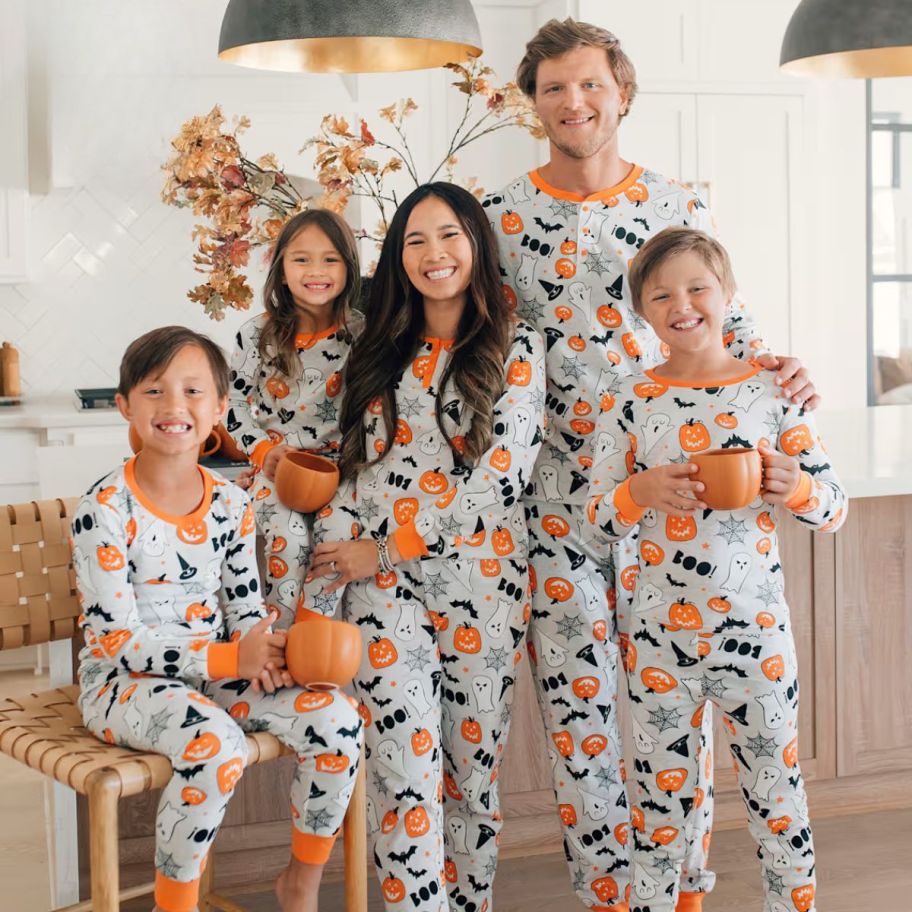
[
  {"x": 443, "y": 633},
  {"x": 564, "y": 259},
  {"x": 710, "y": 623},
  {"x": 165, "y": 600},
  {"x": 266, "y": 410}
]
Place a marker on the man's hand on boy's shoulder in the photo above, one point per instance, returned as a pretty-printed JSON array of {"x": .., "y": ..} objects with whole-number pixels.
[{"x": 793, "y": 377}]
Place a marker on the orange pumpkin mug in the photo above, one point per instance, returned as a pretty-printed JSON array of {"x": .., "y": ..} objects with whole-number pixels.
[
  {"x": 322, "y": 653},
  {"x": 731, "y": 477},
  {"x": 305, "y": 481}
]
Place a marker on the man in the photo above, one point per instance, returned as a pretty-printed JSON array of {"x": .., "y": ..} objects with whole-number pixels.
[{"x": 567, "y": 232}]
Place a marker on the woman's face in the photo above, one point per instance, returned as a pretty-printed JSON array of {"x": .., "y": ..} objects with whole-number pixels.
[{"x": 437, "y": 253}]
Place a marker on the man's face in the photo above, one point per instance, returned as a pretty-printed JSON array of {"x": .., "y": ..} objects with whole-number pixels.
[{"x": 579, "y": 102}]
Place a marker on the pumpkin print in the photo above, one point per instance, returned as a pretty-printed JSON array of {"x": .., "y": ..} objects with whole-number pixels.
[
  {"x": 764, "y": 546},
  {"x": 386, "y": 580},
  {"x": 586, "y": 687},
  {"x": 621, "y": 832},
  {"x": 567, "y": 814},
  {"x": 790, "y": 753},
  {"x": 451, "y": 788},
  {"x": 510, "y": 297},
  {"x": 680, "y": 528},
  {"x": 563, "y": 313},
  {"x": 631, "y": 346},
  {"x": 277, "y": 567},
  {"x": 125, "y": 696},
  {"x": 593, "y": 745},
  {"x": 555, "y": 526},
  {"x": 637, "y": 193},
  {"x": 439, "y": 620},
  {"x": 664, "y": 835},
  {"x": 558, "y": 589},
  {"x": 803, "y": 897},
  {"x": 432, "y": 482},
  {"x": 205, "y": 747},
  {"x": 600, "y": 630},
  {"x": 638, "y": 819},
  {"x": 582, "y": 426},
  {"x": 403, "y": 433},
  {"x": 405, "y": 510},
  {"x": 605, "y": 888},
  {"x": 390, "y": 822},
  {"x": 568, "y": 247},
  {"x": 239, "y": 711},
  {"x": 727, "y": 420},
  {"x": 511, "y": 223},
  {"x": 657, "y": 680},
  {"x": 608, "y": 316},
  {"x": 565, "y": 268},
  {"x": 501, "y": 459},
  {"x": 629, "y": 576},
  {"x": 193, "y": 532},
  {"x": 648, "y": 390},
  {"x": 765, "y": 523},
  {"x": 365, "y": 714},
  {"x": 577, "y": 343},
  {"x": 193, "y": 796},
  {"x": 381, "y": 652},
  {"x": 765, "y": 619},
  {"x": 671, "y": 780},
  {"x": 779, "y": 824},
  {"x": 111, "y": 642},
  {"x": 417, "y": 822},
  {"x": 651, "y": 552},
  {"x": 581, "y": 408},
  {"x": 450, "y": 871},
  {"x": 502, "y": 542},
  {"x": 630, "y": 658},
  {"x": 277, "y": 387},
  {"x": 109, "y": 558},
  {"x": 421, "y": 742},
  {"x": 228, "y": 774},
  {"x": 693, "y": 436},
  {"x": 308, "y": 701},
  {"x": 796, "y": 440},
  {"x": 331, "y": 763},
  {"x": 375, "y": 406},
  {"x": 773, "y": 668},
  {"x": 334, "y": 384},
  {"x": 197, "y": 611},
  {"x": 685, "y": 616},
  {"x": 489, "y": 566},
  {"x": 563, "y": 741},
  {"x": 723, "y": 606},
  {"x": 446, "y": 498},
  {"x": 519, "y": 373},
  {"x": 393, "y": 889},
  {"x": 279, "y": 544},
  {"x": 467, "y": 639},
  {"x": 471, "y": 731}
]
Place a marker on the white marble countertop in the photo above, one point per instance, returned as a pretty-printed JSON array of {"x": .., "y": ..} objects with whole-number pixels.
[
  {"x": 54, "y": 412},
  {"x": 870, "y": 448}
]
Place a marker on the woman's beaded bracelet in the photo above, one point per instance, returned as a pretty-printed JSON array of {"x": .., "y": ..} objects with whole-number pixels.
[{"x": 385, "y": 565}]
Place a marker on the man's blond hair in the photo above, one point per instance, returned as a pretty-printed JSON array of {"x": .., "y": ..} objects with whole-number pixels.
[{"x": 556, "y": 38}]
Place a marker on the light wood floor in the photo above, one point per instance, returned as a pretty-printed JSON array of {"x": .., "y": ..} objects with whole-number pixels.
[{"x": 864, "y": 862}]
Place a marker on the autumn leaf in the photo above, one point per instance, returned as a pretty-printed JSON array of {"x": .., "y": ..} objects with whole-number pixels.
[{"x": 366, "y": 136}]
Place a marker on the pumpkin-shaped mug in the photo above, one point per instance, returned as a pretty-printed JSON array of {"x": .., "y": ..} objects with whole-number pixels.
[
  {"x": 731, "y": 477},
  {"x": 210, "y": 445},
  {"x": 322, "y": 653},
  {"x": 306, "y": 482}
]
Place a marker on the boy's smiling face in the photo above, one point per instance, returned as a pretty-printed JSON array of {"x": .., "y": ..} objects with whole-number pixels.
[
  {"x": 174, "y": 411},
  {"x": 686, "y": 304}
]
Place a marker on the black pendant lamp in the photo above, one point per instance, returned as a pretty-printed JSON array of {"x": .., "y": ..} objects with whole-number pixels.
[
  {"x": 862, "y": 39},
  {"x": 348, "y": 36}
]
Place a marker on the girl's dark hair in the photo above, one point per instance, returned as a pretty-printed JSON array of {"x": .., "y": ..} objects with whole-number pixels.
[
  {"x": 394, "y": 325},
  {"x": 150, "y": 355},
  {"x": 277, "y": 339}
]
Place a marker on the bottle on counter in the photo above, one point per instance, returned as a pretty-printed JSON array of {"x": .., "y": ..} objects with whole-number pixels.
[{"x": 10, "y": 382}]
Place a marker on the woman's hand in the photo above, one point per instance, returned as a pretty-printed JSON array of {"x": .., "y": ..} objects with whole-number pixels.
[
  {"x": 346, "y": 561},
  {"x": 271, "y": 462},
  {"x": 245, "y": 477},
  {"x": 793, "y": 377},
  {"x": 781, "y": 475},
  {"x": 667, "y": 488}
]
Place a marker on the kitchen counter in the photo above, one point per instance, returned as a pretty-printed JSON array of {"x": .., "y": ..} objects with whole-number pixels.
[{"x": 56, "y": 412}]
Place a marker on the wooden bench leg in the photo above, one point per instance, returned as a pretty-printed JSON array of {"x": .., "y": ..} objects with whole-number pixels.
[
  {"x": 354, "y": 835},
  {"x": 103, "y": 792}
]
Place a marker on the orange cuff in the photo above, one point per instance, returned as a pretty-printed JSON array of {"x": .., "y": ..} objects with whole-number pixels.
[
  {"x": 174, "y": 896},
  {"x": 258, "y": 454},
  {"x": 311, "y": 849},
  {"x": 409, "y": 542},
  {"x": 629, "y": 510},
  {"x": 802, "y": 493},
  {"x": 222, "y": 660},
  {"x": 690, "y": 902}
]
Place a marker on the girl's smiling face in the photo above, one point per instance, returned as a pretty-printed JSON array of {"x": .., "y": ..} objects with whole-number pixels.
[
  {"x": 685, "y": 303},
  {"x": 437, "y": 253},
  {"x": 315, "y": 274}
]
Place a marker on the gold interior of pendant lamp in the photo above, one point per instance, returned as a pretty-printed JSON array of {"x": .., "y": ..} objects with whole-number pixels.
[
  {"x": 871, "y": 63},
  {"x": 348, "y": 55}
]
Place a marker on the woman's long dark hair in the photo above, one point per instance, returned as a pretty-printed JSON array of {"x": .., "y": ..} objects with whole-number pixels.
[
  {"x": 394, "y": 325},
  {"x": 277, "y": 339}
]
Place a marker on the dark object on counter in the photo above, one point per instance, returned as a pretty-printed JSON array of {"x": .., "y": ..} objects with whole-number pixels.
[
  {"x": 10, "y": 381},
  {"x": 97, "y": 397}
]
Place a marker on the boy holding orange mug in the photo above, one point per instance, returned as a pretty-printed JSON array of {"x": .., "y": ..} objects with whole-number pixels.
[{"x": 709, "y": 618}]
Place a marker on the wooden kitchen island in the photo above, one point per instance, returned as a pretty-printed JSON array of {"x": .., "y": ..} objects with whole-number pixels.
[{"x": 852, "y": 616}]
